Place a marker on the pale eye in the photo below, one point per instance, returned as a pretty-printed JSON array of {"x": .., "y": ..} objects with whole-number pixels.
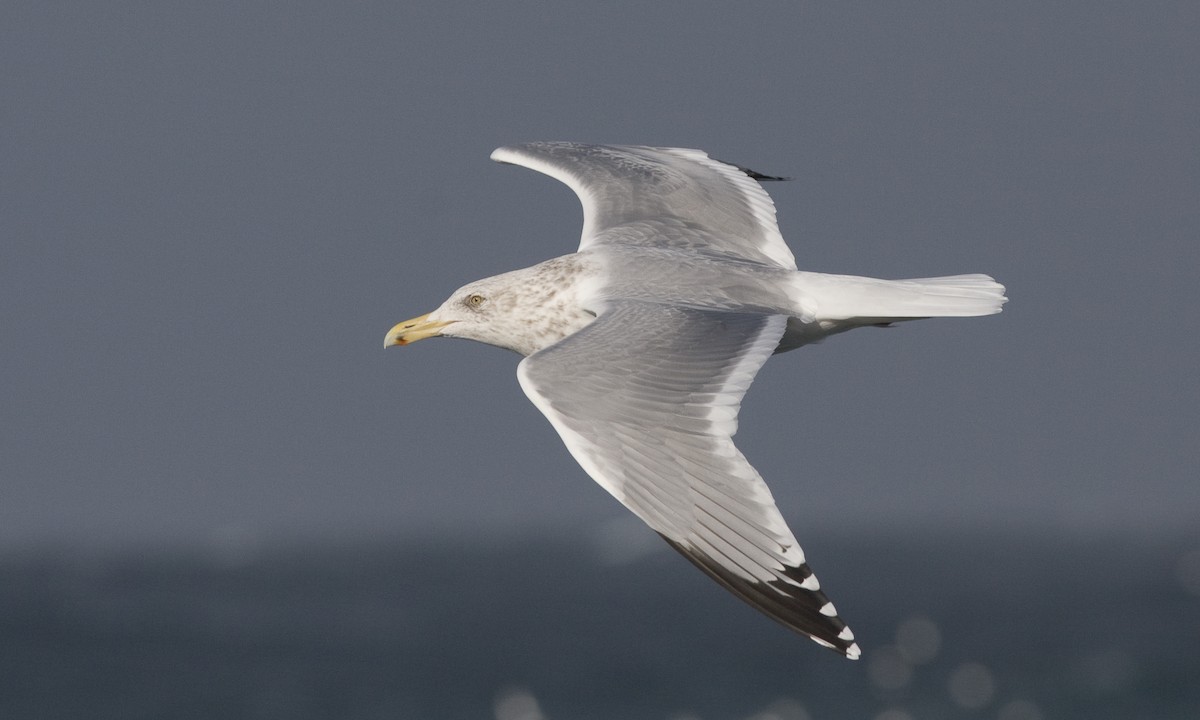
[{"x": 474, "y": 300}]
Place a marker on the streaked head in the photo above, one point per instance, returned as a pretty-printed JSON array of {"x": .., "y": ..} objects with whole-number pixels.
[
  {"x": 523, "y": 310},
  {"x": 471, "y": 312}
]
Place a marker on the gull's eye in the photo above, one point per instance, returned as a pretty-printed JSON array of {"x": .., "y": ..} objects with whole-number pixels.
[{"x": 474, "y": 300}]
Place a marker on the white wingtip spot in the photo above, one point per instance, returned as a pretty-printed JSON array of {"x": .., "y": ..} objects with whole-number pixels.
[
  {"x": 845, "y": 634},
  {"x": 811, "y": 583},
  {"x": 853, "y": 652},
  {"x": 828, "y": 610}
]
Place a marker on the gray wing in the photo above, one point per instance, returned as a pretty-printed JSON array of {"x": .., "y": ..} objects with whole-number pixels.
[
  {"x": 671, "y": 197},
  {"x": 646, "y": 398}
]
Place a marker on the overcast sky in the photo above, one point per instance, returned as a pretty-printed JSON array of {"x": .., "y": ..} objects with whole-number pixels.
[{"x": 211, "y": 213}]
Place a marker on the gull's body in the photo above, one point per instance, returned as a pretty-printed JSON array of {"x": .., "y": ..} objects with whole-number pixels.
[{"x": 640, "y": 346}]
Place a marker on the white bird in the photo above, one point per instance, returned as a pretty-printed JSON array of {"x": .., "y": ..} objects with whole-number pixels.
[{"x": 640, "y": 346}]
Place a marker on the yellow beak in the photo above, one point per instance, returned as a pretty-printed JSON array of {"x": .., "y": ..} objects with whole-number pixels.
[{"x": 413, "y": 330}]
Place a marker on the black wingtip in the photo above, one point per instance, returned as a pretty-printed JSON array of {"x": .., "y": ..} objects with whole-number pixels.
[
  {"x": 753, "y": 174},
  {"x": 796, "y": 608},
  {"x": 761, "y": 177}
]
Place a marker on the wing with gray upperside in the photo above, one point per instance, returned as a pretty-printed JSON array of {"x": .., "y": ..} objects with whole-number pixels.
[
  {"x": 673, "y": 197},
  {"x": 646, "y": 399}
]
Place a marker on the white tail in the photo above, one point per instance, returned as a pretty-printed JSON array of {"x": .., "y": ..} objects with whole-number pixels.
[{"x": 846, "y": 297}]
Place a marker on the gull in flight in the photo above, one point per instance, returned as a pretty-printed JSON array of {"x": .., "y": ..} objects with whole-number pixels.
[{"x": 639, "y": 347}]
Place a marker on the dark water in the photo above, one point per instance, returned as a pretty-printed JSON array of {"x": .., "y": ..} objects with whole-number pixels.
[{"x": 1013, "y": 628}]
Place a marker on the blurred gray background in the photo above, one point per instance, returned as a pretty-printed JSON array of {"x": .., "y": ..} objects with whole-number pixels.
[{"x": 211, "y": 213}]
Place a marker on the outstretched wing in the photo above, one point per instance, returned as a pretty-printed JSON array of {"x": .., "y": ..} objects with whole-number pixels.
[
  {"x": 672, "y": 197},
  {"x": 646, "y": 398}
]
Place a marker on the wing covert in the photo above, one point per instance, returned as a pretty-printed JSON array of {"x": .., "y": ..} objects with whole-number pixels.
[
  {"x": 646, "y": 399},
  {"x": 670, "y": 197}
]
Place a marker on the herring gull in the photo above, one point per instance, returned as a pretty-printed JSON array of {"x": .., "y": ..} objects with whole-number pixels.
[{"x": 640, "y": 346}]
